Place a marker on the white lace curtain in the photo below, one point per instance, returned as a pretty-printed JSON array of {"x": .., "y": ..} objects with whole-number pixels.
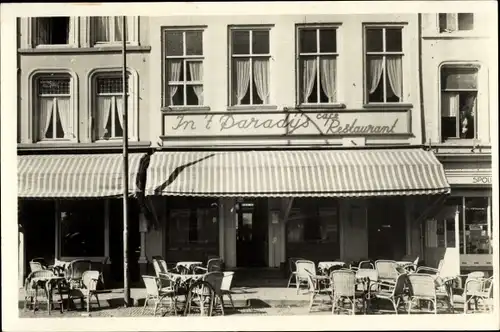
[
  {"x": 48, "y": 108},
  {"x": 394, "y": 72},
  {"x": 375, "y": 69},
  {"x": 308, "y": 77},
  {"x": 448, "y": 22},
  {"x": 106, "y": 107},
  {"x": 328, "y": 68},
  {"x": 110, "y": 28},
  {"x": 242, "y": 78},
  {"x": 261, "y": 78},
  {"x": 196, "y": 70},
  {"x": 174, "y": 70}
]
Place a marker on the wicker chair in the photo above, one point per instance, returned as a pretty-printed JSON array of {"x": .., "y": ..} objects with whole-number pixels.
[
  {"x": 344, "y": 288},
  {"x": 226, "y": 286},
  {"x": 292, "y": 270},
  {"x": 36, "y": 266},
  {"x": 213, "y": 265},
  {"x": 393, "y": 292},
  {"x": 366, "y": 265},
  {"x": 303, "y": 268},
  {"x": 215, "y": 280},
  {"x": 88, "y": 288},
  {"x": 387, "y": 270},
  {"x": 482, "y": 296},
  {"x": 75, "y": 270},
  {"x": 157, "y": 294},
  {"x": 423, "y": 287},
  {"x": 32, "y": 290},
  {"x": 317, "y": 289}
]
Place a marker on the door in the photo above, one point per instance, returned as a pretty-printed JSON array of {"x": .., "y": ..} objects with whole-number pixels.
[
  {"x": 387, "y": 228},
  {"x": 251, "y": 234}
]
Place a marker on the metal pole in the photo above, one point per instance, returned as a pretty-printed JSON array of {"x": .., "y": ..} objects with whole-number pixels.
[{"x": 126, "y": 286}]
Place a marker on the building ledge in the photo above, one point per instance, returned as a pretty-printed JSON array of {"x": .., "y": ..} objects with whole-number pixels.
[
  {"x": 82, "y": 50},
  {"x": 83, "y": 147}
]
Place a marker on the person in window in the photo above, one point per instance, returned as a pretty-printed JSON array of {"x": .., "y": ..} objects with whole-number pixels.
[{"x": 467, "y": 118}]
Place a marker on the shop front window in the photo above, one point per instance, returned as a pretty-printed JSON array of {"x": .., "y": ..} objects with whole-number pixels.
[
  {"x": 82, "y": 228},
  {"x": 311, "y": 222},
  {"x": 474, "y": 225},
  {"x": 193, "y": 225},
  {"x": 477, "y": 240}
]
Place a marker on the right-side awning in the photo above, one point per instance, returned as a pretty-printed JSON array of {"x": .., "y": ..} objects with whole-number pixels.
[{"x": 292, "y": 173}]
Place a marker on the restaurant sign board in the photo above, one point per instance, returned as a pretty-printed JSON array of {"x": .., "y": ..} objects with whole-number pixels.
[{"x": 343, "y": 123}]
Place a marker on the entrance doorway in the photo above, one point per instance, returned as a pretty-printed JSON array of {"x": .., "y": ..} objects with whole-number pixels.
[
  {"x": 386, "y": 228},
  {"x": 251, "y": 233}
]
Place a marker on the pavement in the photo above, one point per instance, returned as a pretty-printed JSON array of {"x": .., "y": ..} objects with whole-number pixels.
[{"x": 247, "y": 300}]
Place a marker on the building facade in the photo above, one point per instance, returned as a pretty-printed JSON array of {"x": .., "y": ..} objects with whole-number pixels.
[
  {"x": 286, "y": 83},
  {"x": 457, "y": 105},
  {"x": 254, "y": 138},
  {"x": 69, "y": 134}
]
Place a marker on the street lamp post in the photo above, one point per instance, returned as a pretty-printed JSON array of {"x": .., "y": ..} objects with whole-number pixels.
[{"x": 126, "y": 286}]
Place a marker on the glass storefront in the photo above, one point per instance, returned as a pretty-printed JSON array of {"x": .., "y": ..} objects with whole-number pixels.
[{"x": 475, "y": 217}]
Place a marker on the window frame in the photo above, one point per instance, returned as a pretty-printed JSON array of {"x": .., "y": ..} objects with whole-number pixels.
[
  {"x": 478, "y": 67},
  {"x": 133, "y": 105},
  {"x": 132, "y": 38},
  {"x": 73, "y": 37},
  {"x": 457, "y": 31},
  {"x": 384, "y": 54},
  {"x": 251, "y": 56},
  {"x": 185, "y": 60},
  {"x": 317, "y": 55},
  {"x": 33, "y": 118}
]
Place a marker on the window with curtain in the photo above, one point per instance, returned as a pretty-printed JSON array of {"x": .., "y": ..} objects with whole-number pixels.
[
  {"x": 450, "y": 22},
  {"x": 108, "y": 117},
  {"x": 183, "y": 72},
  {"x": 318, "y": 65},
  {"x": 109, "y": 29},
  {"x": 82, "y": 228},
  {"x": 52, "y": 30},
  {"x": 384, "y": 64},
  {"x": 54, "y": 111},
  {"x": 250, "y": 73},
  {"x": 458, "y": 102}
]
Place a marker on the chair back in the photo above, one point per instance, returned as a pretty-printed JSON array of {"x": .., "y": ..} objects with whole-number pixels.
[
  {"x": 36, "y": 266},
  {"x": 387, "y": 269},
  {"x": 215, "y": 280},
  {"x": 227, "y": 280},
  {"x": 474, "y": 281},
  {"x": 422, "y": 285},
  {"x": 160, "y": 266},
  {"x": 366, "y": 265},
  {"x": 151, "y": 283},
  {"x": 401, "y": 282},
  {"x": 343, "y": 282},
  {"x": 303, "y": 267},
  {"x": 291, "y": 263},
  {"x": 77, "y": 267},
  {"x": 214, "y": 265},
  {"x": 90, "y": 279}
]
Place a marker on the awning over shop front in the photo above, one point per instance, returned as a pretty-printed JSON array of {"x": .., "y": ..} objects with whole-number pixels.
[
  {"x": 72, "y": 176},
  {"x": 305, "y": 173}
]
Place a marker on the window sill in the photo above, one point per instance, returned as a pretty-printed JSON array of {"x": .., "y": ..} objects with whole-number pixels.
[
  {"x": 388, "y": 105},
  {"x": 465, "y": 142},
  {"x": 192, "y": 108},
  {"x": 245, "y": 108},
  {"x": 320, "y": 106},
  {"x": 71, "y": 146},
  {"x": 72, "y": 49},
  {"x": 454, "y": 35}
]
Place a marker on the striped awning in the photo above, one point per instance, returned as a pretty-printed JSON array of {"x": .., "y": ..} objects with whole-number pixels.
[
  {"x": 71, "y": 176},
  {"x": 305, "y": 173}
]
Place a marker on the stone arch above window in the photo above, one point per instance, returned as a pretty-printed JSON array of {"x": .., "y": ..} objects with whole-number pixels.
[
  {"x": 53, "y": 105},
  {"x": 107, "y": 104}
]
